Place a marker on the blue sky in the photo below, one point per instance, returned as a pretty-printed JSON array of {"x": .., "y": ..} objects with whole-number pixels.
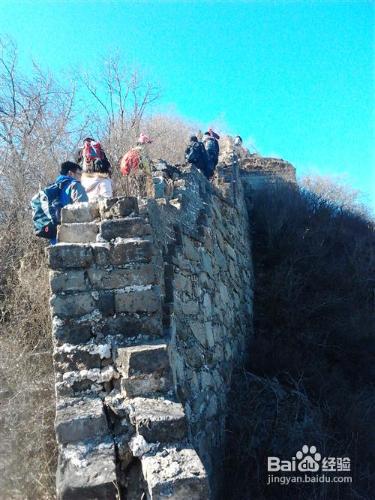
[{"x": 296, "y": 79}]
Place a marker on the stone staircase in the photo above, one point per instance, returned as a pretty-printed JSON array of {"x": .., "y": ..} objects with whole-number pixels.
[{"x": 121, "y": 431}]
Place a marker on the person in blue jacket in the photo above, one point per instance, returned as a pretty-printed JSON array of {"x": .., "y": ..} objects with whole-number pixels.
[
  {"x": 72, "y": 190},
  {"x": 70, "y": 178}
]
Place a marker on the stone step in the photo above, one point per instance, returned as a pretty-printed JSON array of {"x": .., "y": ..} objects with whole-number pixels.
[
  {"x": 157, "y": 420},
  {"x": 80, "y": 212},
  {"x": 80, "y": 418},
  {"x": 145, "y": 369},
  {"x": 126, "y": 227},
  {"x": 87, "y": 470},
  {"x": 130, "y": 250},
  {"x": 175, "y": 472},
  {"x": 78, "y": 232},
  {"x": 72, "y": 357},
  {"x": 78, "y": 382},
  {"x": 118, "y": 207}
]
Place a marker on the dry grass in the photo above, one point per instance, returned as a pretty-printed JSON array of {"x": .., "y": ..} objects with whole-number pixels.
[{"x": 314, "y": 336}]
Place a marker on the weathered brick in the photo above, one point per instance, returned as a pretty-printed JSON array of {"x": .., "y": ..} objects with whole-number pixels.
[
  {"x": 79, "y": 419},
  {"x": 143, "y": 359},
  {"x": 145, "y": 385},
  {"x": 128, "y": 227},
  {"x": 132, "y": 325},
  {"x": 158, "y": 420},
  {"x": 118, "y": 207},
  {"x": 80, "y": 212},
  {"x": 101, "y": 254},
  {"x": 87, "y": 471},
  {"x": 183, "y": 474},
  {"x": 138, "y": 299},
  {"x": 67, "y": 281},
  {"x": 69, "y": 255},
  {"x": 70, "y": 357},
  {"x": 106, "y": 303},
  {"x": 67, "y": 306},
  {"x": 141, "y": 274},
  {"x": 69, "y": 331},
  {"x": 131, "y": 250},
  {"x": 77, "y": 232}
]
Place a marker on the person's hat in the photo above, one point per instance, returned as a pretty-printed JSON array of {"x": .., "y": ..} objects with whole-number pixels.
[
  {"x": 213, "y": 134},
  {"x": 144, "y": 139}
]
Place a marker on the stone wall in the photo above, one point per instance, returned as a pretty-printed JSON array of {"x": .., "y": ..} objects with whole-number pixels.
[
  {"x": 152, "y": 309},
  {"x": 205, "y": 242},
  {"x": 121, "y": 431}
]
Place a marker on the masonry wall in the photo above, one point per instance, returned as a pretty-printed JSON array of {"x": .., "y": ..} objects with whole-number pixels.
[
  {"x": 121, "y": 431},
  {"x": 204, "y": 235},
  {"x": 152, "y": 309}
]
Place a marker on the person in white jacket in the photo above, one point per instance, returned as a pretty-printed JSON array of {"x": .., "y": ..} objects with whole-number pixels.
[{"x": 97, "y": 186}]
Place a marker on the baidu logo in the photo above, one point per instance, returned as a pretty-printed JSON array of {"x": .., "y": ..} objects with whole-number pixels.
[
  {"x": 309, "y": 467},
  {"x": 308, "y": 459}
]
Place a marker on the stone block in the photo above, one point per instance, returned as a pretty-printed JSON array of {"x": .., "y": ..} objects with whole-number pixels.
[
  {"x": 157, "y": 420},
  {"x": 80, "y": 212},
  {"x": 101, "y": 254},
  {"x": 175, "y": 472},
  {"x": 67, "y": 306},
  {"x": 70, "y": 357},
  {"x": 199, "y": 331},
  {"x": 128, "y": 227},
  {"x": 131, "y": 250},
  {"x": 144, "y": 298},
  {"x": 105, "y": 302},
  {"x": 118, "y": 207},
  {"x": 65, "y": 362},
  {"x": 190, "y": 307},
  {"x": 145, "y": 385},
  {"x": 68, "y": 281},
  {"x": 87, "y": 470},
  {"x": 133, "y": 325},
  {"x": 143, "y": 359},
  {"x": 68, "y": 255},
  {"x": 84, "y": 232},
  {"x": 141, "y": 274},
  {"x": 80, "y": 418},
  {"x": 70, "y": 331},
  {"x": 190, "y": 251}
]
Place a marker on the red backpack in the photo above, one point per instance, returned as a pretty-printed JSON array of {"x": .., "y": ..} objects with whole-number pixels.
[
  {"x": 91, "y": 152},
  {"x": 130, "y": 161}
]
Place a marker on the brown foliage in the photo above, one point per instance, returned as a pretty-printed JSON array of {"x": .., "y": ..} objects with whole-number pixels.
[{"x": 314, "y": 270}]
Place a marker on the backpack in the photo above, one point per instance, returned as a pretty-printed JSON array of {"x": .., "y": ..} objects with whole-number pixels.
[
  {"x": 92, "y": 152},
  {"x": 46, "y": 207},
  {"x": 194, "y": 154},
  {"x": 130, "y": 161}
]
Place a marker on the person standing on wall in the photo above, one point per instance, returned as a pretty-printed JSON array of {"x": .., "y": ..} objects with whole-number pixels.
[
  {"x": 96, "y": 178},
  {"x": 196, "y": 155},
  {"x": 211, "y": 144}
]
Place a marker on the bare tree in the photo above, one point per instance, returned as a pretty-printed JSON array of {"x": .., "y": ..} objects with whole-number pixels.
[{"x": 123, "y": 96}]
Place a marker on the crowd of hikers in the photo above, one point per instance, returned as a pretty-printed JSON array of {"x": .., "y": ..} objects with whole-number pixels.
[{"x": 89, "y": 178}]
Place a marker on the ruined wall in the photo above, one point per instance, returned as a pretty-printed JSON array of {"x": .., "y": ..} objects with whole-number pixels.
[
  {"x": 152, "y": 309},
  {"x": 204, "y": 235},
  {"x": 257, "y": 171},
  {"x": 121, "y": 431}
]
